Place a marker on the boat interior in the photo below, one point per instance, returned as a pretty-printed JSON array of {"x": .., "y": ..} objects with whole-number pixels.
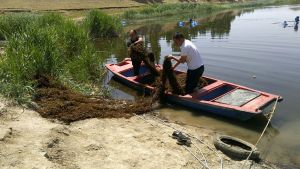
[{"x": 214, "y": 91}]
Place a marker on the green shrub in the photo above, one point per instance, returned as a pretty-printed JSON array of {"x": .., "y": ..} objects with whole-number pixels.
[
  {"x": 14, "y": 23},
  {"x": 73, "y": 39},
  {"x": 47, "y": 45},
  {"x": 50, "y": 19},
  {"x": 99, "y": 24},
  {"x": 34, "y": 51}
]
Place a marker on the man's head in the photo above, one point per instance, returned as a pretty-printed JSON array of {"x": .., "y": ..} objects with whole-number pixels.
[
  {"x": 178, "y": 38},
  {"x": 132, "y": 34}
]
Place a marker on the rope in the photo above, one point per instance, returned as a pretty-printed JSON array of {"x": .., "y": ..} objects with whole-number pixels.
[
  {"x": 263, "y": 132},
  {"x": 201, "y": 153},
  {"x": 210, "y": 148},
  {"x": 196, "y": 157},
  {"x": 221, "y": 160},
  {"x": 206, "y": 166}
]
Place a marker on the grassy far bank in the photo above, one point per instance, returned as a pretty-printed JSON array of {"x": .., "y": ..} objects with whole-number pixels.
[
  {"x": 157, "y": 10},
  {"x": 49, "y": 44},
  {"x": 64, "y": 4}
]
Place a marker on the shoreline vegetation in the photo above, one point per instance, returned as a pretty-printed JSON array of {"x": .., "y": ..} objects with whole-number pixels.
[
  {"x": 158, "y": 10},
  {"x": 49, "y": 44}
]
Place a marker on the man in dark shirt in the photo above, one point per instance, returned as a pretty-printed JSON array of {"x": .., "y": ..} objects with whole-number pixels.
[{"x": 136, "y": 50}]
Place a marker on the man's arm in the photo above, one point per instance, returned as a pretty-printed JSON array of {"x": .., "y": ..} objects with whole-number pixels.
[
  {"x": 138, "y": 41},
  {"x": 182, "y": 59}
]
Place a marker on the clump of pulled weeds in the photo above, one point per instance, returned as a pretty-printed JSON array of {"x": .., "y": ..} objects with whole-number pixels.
[{"x": 56, "y": 101}]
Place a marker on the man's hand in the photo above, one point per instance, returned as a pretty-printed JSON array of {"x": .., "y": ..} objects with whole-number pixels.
[{"x": 169, "y": 57}]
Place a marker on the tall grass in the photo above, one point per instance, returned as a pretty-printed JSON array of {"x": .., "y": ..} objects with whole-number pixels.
[
  {"x": 173, "y": 9},
  {"x": 46, "y": 44},
  {"x": 99, "y": 24},
  {"x": 10, "y": 24}
]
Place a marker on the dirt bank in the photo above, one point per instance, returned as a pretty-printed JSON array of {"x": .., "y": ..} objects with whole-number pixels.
[{"x": 29, "y": 141}]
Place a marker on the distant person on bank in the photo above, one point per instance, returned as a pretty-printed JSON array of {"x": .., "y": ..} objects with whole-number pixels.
[{"x": 190, "y": 55}]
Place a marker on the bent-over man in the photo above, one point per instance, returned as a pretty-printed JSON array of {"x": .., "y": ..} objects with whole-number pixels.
[{"x": 190, "y": 55}]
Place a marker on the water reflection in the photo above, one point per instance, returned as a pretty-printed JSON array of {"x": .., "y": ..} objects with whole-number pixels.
[
  {"x": 296, "y": 27},
  {"x": 218, "y": 25}
]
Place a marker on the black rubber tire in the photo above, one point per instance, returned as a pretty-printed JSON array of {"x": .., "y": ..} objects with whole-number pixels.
[{"x": 235, "y": 148}]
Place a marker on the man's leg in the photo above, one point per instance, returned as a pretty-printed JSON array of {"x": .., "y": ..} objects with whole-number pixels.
[
  {"x": 192, "y": 79},
  {"x": 188, "y": 82},
  {"x": 136, "y": 67}
]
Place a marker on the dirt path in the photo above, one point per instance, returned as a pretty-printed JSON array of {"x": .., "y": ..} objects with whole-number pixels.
[{"x": 29, "y": 141}]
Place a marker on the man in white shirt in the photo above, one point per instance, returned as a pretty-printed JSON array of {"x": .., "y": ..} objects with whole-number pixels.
[{"x": 190, "y": 55}]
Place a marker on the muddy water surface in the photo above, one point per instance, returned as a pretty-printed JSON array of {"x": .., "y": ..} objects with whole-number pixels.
[{"x": 236, "y": 46}]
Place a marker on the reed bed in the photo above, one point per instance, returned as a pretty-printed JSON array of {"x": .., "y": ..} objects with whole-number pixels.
[
  {"x": 49, "y": 44},
  {"x": 99, "y": 24}
]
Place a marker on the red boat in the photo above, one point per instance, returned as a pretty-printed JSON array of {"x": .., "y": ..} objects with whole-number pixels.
[{"x": 218, "y": 97}]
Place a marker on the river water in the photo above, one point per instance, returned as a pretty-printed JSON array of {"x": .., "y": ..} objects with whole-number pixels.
[{"x": 236, "y": 46}]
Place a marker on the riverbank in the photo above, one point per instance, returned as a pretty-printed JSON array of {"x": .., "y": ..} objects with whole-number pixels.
[
  {"x": 137, "y": 142},
  {"x": 79, "y": 8},
  {"x": 158, "y": 10},
  {"x": 47, "y": 5},
  {"x": 132, "y": 8}
]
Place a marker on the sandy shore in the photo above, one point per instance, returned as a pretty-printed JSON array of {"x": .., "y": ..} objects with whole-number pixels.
[{"x": 29, "y": 141}]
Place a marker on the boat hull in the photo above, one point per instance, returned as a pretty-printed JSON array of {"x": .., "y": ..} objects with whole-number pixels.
[{"x": 209, "y": 99}]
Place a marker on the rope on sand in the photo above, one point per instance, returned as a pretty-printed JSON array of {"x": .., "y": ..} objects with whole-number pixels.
[
  {"x": 209, "y": 147},
  {"x": 221, "y": 160},
  {"x": 201, "y": 153},
  {"x": 204, "y": 165},
  {"x": 263, "y": 132}
]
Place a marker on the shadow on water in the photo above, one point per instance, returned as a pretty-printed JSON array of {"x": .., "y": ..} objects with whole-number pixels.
[{"x": 260, "y": 120}]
